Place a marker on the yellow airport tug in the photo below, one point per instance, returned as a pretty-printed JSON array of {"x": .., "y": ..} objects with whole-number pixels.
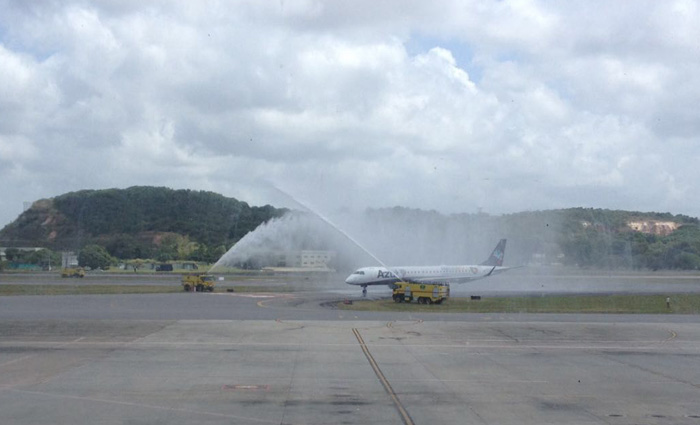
[
  {"x": 73, "y": 272},
  {"x": 198, "y": 282},
  {"x": 423, "y": 293}
]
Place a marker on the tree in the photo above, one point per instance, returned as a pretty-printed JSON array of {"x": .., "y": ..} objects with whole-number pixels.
[
  {"x": 214, "y": 254},
  {"x": 185, "y": 247},
  {"x": 12, "y": 254},
  {"x": 167, "y": 250},
  {"x": 655, "y": 256},
  {"x": 687, "y": 261},
  {"x": 200, "y": 253},
  {"x": 127, "y": 247},
  {"x": 135, "y": 264},
  {"x": 43, "y": 257},
  {"x": 95, "y": 257}
]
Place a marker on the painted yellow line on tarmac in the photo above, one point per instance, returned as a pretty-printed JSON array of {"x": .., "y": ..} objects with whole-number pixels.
[{"x": 405, "y": 417}]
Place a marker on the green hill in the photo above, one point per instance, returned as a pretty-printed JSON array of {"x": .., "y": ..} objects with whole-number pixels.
[
  {"x": 628, "y": 239},
  {"x": 136, "y": 222},
  {"x": 166, "y": 224},
  {"x": 584, "y": 237}
]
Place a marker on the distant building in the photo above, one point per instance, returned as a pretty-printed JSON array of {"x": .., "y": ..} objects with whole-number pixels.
[
  {"x": 165, "y": 267},
  {"x": 304, "y": 259},
  {"x": 186, "y": 266},
  {"x": 69, "y": 259},
  {"x": 316, "y": 259}
]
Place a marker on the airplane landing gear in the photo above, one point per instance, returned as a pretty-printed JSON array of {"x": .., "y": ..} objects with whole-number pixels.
[{"x": 364, "y": 290}]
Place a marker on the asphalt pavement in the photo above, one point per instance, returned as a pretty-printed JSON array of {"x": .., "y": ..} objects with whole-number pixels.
[{"x": 290, "y": 358}]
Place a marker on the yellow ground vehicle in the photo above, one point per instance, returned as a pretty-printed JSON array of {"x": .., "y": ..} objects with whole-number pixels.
[
  {"x": 424, "y": 293},
  {"x": 198, "y": 282},
  {"x": 73, "y": 272}
]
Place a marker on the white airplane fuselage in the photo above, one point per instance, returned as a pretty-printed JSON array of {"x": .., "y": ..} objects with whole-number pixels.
[{"x": 369, "y": 276}]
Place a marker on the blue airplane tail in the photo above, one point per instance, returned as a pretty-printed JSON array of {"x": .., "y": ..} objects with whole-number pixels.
[{"x": 496, "y": 258}]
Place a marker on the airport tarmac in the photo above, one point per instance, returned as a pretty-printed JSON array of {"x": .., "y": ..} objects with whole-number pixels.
[
  {"x": 349, "y": 372},
  {"x": 288, "y": 358}
]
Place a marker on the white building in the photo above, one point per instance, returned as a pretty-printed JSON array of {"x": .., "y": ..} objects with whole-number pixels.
[
  {"x": 69, "y": 259},
  {"x": 316, "y": 259}
]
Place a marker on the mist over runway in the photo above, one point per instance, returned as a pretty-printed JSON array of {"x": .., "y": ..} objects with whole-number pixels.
[{"x": 535, "y": 281}]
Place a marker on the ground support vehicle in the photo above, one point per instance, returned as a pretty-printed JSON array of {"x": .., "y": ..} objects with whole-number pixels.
[
  {"x": 198, "y": 282},
  {"x": 423, "y": 293},
  {"x": 73, "y": 272}
]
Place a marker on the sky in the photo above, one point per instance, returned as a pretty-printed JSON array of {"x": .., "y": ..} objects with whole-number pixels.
[{"x": 453, "y": 106}]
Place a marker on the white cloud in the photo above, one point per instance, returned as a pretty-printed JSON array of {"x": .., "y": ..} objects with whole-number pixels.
[{"x": 507, "y": 105}]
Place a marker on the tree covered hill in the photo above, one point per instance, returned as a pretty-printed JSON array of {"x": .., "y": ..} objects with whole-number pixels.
[
  {"x": 625, "y": 239},
  {"x": 166, "y": 224},
  {"x": 136, "y": 222},
  {"x": 585, "y": 237}
]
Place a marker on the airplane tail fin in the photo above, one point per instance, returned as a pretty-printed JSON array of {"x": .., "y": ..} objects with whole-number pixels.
[{"x": 496, "y": 258}]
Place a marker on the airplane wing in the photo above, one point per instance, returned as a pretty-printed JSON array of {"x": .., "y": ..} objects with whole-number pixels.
[{"x": 459, "y": 278}]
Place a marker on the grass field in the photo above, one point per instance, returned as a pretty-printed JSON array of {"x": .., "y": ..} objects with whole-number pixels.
[{"x": 637, "y": 304}]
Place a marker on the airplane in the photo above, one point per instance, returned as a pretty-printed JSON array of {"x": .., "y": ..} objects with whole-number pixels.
[{"x": 369, "y": 276}]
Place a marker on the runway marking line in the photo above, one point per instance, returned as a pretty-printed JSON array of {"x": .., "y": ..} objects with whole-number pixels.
[
  {"x": 134, "y": 404},
  {"x": 263, "y": 303},
  {"x": 395, "y": 324},
  {"x": 27, "y": 356},
  {"x": 405, "y": 417},
  {"x": 673, "y": 335}
]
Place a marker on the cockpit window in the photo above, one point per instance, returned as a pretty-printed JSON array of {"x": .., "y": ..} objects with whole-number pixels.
[{"x": 359, "y": 272}]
